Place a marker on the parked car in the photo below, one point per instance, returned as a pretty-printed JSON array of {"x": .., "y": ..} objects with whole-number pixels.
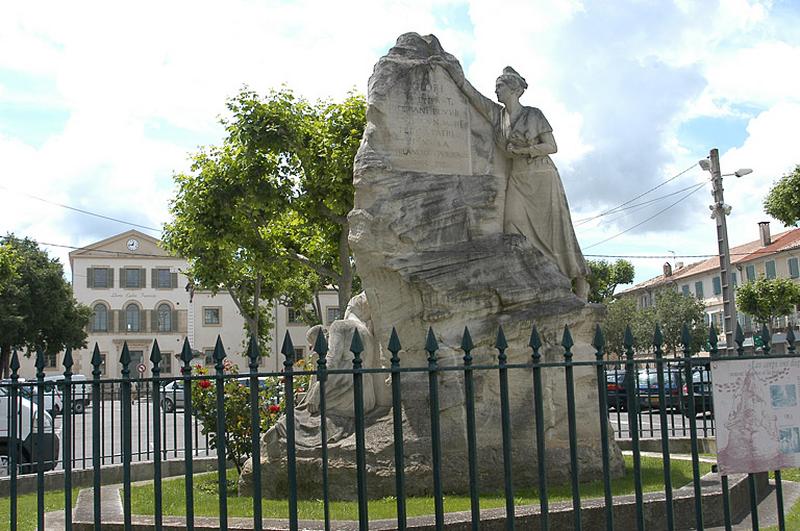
[
  {"x": 172, "y": 396},
  {"x": 30, "y": 441},
  {"x": 616, "y": 390},
  {"x": 53, "y": 402},
  {"x": 81, "y": 390},
  {"x": 649, "y": 396},
  {"x": 702, "y": 390}
]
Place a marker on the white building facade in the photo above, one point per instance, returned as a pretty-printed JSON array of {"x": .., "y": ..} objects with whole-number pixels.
[{"x": 138, "y": 293}]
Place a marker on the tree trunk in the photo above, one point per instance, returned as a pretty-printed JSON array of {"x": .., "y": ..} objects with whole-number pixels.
[{"x": 5, "y": 361}]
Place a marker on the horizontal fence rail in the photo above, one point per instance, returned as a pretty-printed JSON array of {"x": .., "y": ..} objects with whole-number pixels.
[{"x": 74, "y": 423}]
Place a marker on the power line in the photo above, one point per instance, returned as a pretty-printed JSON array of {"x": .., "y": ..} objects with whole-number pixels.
[
  {"x": 611, "y": 210},
  {"x": 697, "y": 187},
  {"x": 117, "y": 253},
  {"x": 82, "y": 211}
]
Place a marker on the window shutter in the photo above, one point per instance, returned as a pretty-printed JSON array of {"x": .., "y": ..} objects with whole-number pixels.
[
  {"x": 110, "y": 277},
  {"x": 154, "y": 278},
  {"x": 89, "y": 277},
  {"x": 174, "y": 321},
  {"x": 794, "y": 270},
  {"x": 173, "y": 280}
]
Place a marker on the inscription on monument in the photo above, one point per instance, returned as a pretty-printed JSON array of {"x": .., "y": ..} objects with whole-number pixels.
[{"x": 430, "y": 124}]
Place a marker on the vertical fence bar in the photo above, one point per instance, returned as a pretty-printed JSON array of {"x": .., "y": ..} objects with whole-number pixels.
[
  {"x": 766, "y": 338},
  {"x": 790, "y": 339},
  {"x": 321, "y": 348},
  {"x": 291, "y": 456},
  {"x": 567, "y": 343},
  {"x": 97, "y": 360},
  {"x": 186, "y": 358},
  {"x": 125, "y": 397},
  {"x": 658, "y": 341},
  {"x": 505, "y": 420},
  {"x": 155, "y": 359},
  {"x": 633, "y": 425},
  {"x": 698, "y": 492},
  {"x": 472, "y": 443},
  {"x": 431, "y": 346},
  {"x": 39, "y": 445},
  {"x": 254, "y": 357},
  {"x": 397, "y": 413},
  {"x": 67, "y": 436},
  {"x": 738, "y": 338},
  {"x": 357, "y": 347},
  {"x": 541, "y": 459},
  {"x": 13, "y": 438},
  {"x": 222, "y": 468},
  {"x": 726, "y": 499},
  {"x": 598, "y": 342}
]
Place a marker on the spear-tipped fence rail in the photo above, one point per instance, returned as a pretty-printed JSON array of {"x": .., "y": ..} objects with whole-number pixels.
[{"x": 642, "y": 398}]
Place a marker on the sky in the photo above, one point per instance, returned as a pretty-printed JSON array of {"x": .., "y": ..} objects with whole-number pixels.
[{"x": 101, "y": 103}]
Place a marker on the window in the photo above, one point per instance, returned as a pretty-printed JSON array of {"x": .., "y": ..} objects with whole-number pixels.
[
  {"x": 166, "y": 363},
  {"x": 331, "y": 314},
  {"x": 208, "y": 354},
  {"x": 164, "y": 316},
  {"x": 733, "y": 280},
  {"x": 102, "y": 364},
  {"x": 698, "y": 289},
  {"x": 770, "y": 268},
  {"x": 50, "y": 360},
  {"x": 163, "y": 279},
  {"x": 100, "y": 318},
  {"x": 211, "y": 316},
  {"x": 133, "y": 278},
  {"x": 751, "y": 272},
  {"x": 685, "y": 289},
  {"x": 137, "y": 358},
  {"x": 717, "y": 283},
  {"x": 132, "y": 318},
  {"x": 719, "y": 324},
  {"x": 794, "y": 269},
  {"x": 292, "y": 315},
  {"x": 99, "y": 277},
  {"x": 299, "y": 354}
]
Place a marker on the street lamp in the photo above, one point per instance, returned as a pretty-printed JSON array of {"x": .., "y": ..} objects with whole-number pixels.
[{"x": 719, "y": 210}]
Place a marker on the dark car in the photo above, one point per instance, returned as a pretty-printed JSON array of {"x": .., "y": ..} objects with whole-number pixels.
[
  {"x": 701, "y": 387},
  {"x": 616, "y": 390},
  {"x": 649, "y": 396}
]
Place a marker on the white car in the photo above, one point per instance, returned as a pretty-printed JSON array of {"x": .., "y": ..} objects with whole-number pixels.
[
  {"x": 53, "y": 401},
  {"x": 81, "y": 390},
  {"x": 28, "y": 438}
]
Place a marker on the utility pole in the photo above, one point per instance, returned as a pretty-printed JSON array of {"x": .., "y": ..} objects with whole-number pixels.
[{"x": 719, "y": 212}]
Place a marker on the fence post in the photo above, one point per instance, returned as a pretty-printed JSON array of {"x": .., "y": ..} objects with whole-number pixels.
[
  {"x": 321, "y": 348},
  {"x": 505, "y": 419},
  {"x": 97, "y": 361},
  {"x": 155, "y": 359},
  {"x": 726, "y": 500},
  {"x": 599, "y": 342},
  {"x": 658, "y": 342},
  {"x": 431, "y": 346},
  {"x": 125, "y": 398},
  {"x": 738, "y": 338},
  {"x": 253, "y": 356},
  {"x": 472, "y": 442},
  {"x": 633, "y": 424},
  {"x": 766, "y": 338},
  {"x": 686, "y": 338},
  {"x": 40, "y": 438},
  {"x": 222, "y": 469},
  {"x": 67, "y": 432},
  {"x": 186, "y": 358},
  {"x": 541, "y": 462},
  {"x": 13, "y": 438},
  {"x": 291, "y": 452},
  {"x": 567, "y": 343}
]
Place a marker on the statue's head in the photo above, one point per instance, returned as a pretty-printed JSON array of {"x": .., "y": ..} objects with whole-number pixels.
[{"x": 511, "y": 80}]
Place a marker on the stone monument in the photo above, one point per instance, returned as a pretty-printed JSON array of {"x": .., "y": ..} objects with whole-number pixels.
[{"x": 460, "y": 219}]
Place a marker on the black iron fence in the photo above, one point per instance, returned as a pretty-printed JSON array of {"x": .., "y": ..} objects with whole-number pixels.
[{"x": 153, "y": 420}]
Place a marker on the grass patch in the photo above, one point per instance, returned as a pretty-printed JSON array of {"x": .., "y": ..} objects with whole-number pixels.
[
  {"x": 793, "y": 514},
  {"x": 27, "y": 508},
  {"x": 206, "y": 498}
]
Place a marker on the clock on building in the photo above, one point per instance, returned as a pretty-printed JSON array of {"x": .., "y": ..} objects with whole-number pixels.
[{"x": 133, "y": 244}]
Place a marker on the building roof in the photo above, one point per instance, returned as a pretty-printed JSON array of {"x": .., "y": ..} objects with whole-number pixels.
[{"x": 740, "y": 254}]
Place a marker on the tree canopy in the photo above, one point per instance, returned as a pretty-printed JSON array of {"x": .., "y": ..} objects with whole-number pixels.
[
  {"x": 264, "y": 215},
  {"x": 604, "y": 277},
  {"x": 37, "y": 309},
  {"x": 783, "y": 200},
  {"x": 768, "y": 298}
]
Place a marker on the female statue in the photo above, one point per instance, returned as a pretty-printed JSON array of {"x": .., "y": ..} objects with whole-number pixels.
[{"x": 536, "y": 205}]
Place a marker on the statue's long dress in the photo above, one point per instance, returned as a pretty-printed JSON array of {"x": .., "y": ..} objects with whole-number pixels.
[{"x": 536, "y": 204}]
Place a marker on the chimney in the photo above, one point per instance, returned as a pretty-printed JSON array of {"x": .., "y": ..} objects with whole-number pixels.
[
  {"x": 678, "y": 265},
  {"x": 667, "y": 269},
  {"x": 763, "y": 231}
]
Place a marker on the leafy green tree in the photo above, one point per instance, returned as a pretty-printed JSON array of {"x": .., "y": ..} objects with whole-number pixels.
[
  {"x": 622, "y": 312},
  {"x": 37, "y": 309},
  {"x": 783, "y": 200},
  {"x": 672, "y": 311},
  {"x": 8, "y": 265},
  {"x": 264, "y": 215},
  {"x": 604, "y": 277},
  {"x": 768, "y": 298}
]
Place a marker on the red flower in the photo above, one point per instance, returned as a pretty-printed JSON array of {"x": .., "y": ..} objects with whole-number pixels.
[
  {"x": 204, "y": 384},
  {"x": 274, "y": 408}
]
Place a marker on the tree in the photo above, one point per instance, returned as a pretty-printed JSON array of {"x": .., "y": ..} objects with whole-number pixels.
[
  {"x": 783, "y": 200},
  {"x": 604, "y": 277},
  {"x": 37, "y": 309},
  {"x": 672, "y": 311},
  {"x": 621, "y": 314},
  {"x": 8, "y": 265},
  {"x": 264, "y": 215},
  {"x": 768, "y": 298}
]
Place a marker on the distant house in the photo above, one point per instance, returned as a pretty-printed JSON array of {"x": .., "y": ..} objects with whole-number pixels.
[
  {"x": 768, "y": 256},
  {"x": 138, "y": 292}
]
